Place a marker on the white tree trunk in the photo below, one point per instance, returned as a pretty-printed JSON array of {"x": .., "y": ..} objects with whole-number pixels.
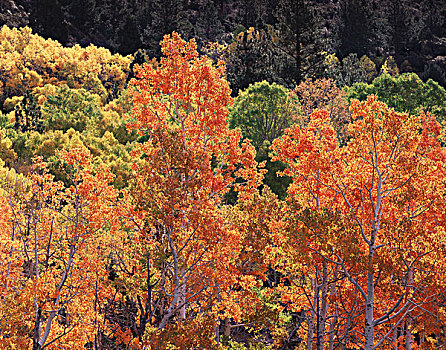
[{"x": 311, "y": 325}]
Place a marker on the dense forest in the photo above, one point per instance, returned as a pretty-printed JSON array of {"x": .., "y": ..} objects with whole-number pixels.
[
  {"x": 220, "y": 174},
  {"x": 293, "y": 39}
]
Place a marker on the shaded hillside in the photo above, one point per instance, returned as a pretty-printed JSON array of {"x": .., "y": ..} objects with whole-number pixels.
[{"x": 414, "y": 32}]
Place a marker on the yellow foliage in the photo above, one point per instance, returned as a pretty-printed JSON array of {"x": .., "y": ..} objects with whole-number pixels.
[
  {"x": 10, "y": 103},
  {"x": 390, "y": 67},
  {"x": 332, "y": 61},
  {"x": 7, "y": 153},
  {"x": 28, "y": 61},
  {"x": 369, "y": 68}
]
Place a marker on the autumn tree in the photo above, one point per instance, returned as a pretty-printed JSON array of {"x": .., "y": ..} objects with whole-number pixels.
[
  {"x": 54, "y": 242},
  {"x": 311, "y": 95},
  {"x": 190, "y": 159},
  {"x": 30, "y": 61},
  {"x": 382, "y": 197},
  {"x": 266, "y": 312}
]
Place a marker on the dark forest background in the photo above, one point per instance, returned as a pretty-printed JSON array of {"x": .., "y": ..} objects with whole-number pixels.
[{"x": 413, "y": 32}]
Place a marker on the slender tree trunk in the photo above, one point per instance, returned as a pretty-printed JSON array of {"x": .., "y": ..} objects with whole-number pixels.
[
  {"x": 331, "y": 332},
  {"x": 318, "y": 319},
  {"x": 38, "y": 342},
  {"x": 408, "y": 334},
  {"x": 227, "y": 327},
  {"x": 311, "y": 325},
  {"x": 171, "y": 310},
  {"x": 395, "y": 336},
  {"x": 369, "y": 324},
  {"x": 182, "y": 298},
  {"x": 408, "y": 317},
  {"x": 334, "y": 320},
  {"x": 36, "y": 336},
  {"x": 324, "y": 306},
  {"x": 218, "y": 322}
]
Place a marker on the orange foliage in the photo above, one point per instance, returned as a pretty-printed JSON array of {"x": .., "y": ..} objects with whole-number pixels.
[
  {"x": 357, "y": 250},
  {"x": 190, "y": 161},
  {"x": 322, "y": 94},
  {"x": 53, "y": 245},
  {"x": 372, "y": 211}
]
